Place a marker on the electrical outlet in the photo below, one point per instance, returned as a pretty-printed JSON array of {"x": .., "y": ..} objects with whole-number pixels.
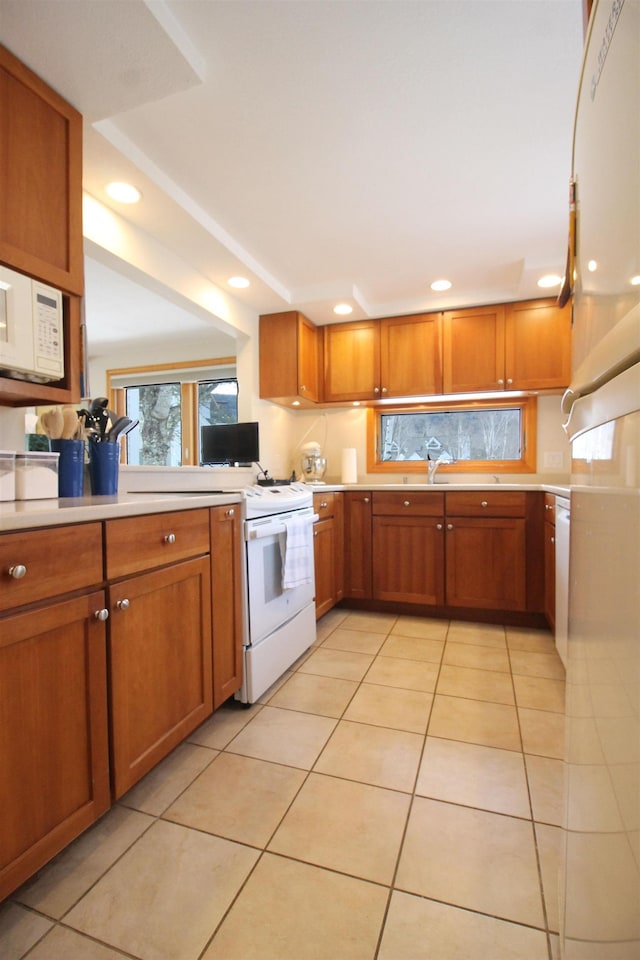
[{"x": 553, "y": 460}]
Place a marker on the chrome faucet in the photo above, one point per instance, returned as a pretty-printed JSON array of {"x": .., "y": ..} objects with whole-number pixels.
[{"x": 432, "y": 467}]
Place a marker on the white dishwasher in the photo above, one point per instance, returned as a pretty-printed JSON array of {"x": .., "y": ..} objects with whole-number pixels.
[{"x": 563, "y": 522}]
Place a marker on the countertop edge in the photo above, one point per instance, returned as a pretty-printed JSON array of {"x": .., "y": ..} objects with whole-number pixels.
[{"x": 28, "y": 514}]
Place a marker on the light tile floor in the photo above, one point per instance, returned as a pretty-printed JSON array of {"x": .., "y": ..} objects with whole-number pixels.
[{"x": 397, "y": 796}]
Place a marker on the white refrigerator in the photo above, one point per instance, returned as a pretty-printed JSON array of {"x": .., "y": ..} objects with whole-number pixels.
[{"x": 600, "y": 875}]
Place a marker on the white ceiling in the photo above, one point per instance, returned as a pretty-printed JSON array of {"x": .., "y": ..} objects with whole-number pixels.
[{"x": 327, "y": 149}]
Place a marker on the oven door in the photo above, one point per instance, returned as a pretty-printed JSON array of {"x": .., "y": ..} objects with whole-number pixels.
[{"x": 269, "y": 606}]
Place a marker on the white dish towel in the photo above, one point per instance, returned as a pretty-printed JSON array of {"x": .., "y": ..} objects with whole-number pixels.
[{"x": 296, "y": 549}]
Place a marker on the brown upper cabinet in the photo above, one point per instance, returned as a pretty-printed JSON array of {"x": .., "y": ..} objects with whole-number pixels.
[
  {"x": 375, "y": 359},
  {"x": 290, "y": 359},
  {"x": 41, "y": 211},
  {"x": 515, "y": 346},
  {"x": 40, "y": 179}
]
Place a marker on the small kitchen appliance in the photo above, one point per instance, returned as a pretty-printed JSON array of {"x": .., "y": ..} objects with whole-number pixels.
[{"x": 314, "y": 465}]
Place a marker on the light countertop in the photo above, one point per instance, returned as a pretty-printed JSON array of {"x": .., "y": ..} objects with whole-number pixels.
[
  {"x": 28, "y": 514},
  {"x": 25, "y": 514}
]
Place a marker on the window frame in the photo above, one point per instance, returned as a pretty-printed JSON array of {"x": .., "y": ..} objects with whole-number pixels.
[
  {"x": 116, "y": 392},
  {"x": 526, "y": 464}
]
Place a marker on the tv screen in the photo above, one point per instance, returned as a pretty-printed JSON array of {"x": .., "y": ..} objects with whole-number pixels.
[{"x": 229, "y": 443}]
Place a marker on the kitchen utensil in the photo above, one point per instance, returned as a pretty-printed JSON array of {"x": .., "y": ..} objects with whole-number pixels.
[
  {"x": 117, "y": 427},
  {"x": 70, "y": 423},
  {"x": 53, "y": 423},
  {"x": 97, "y": 405}
]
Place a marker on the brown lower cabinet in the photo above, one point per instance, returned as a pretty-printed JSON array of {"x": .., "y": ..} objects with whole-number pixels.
[
  {"x": 328, "y": 550},
  {"x": 160, "y": 665},
  {"x": 106, "y": 653},
  {"x": 53, "y": 731},
  {"x": 226, "y": 601},
  {"x": 456, "y": 551}
]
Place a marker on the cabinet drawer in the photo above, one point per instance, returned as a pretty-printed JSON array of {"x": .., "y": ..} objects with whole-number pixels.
[
  {"x": 409, "y": 504},
  {"x": 141, "y": 543},
  {"x": 550, "y": 508},
  {"x": 324, "y": 504},
  {"x": 490, "y": 503},
  {"x": 57, "y": 560}
]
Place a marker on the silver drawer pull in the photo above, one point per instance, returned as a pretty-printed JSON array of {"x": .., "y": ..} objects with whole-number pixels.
[
  {"x": 102, "y": 614},
  {"x": 170, "y": 538},
  {"x": 18, "y": 571},
  {"x": 365, "y": 499},
  {"x": 438, "y": 526},
  {"x": 315, "y": 533},
  {"x": 231, "y": 512},
  {"x": 449, "y": 526},
  {"x": 407, "y": 503},
  {"x": 484, "y": 504},
  {"x": 122, "y": 604}
]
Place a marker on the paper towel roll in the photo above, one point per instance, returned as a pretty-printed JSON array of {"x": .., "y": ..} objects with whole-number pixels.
[{"x": 349, "y": 465}]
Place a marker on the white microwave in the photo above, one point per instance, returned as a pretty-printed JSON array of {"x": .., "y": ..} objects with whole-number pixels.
[{"x": 31, "y": 328}]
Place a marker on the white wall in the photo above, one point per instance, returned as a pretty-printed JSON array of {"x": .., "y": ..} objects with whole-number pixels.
[{"x": 336, "y": 429}]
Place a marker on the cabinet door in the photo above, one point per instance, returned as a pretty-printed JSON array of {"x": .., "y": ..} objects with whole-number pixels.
[
  {"x": 537, "y": 345},
  {"x": 324, "y": 549},
  {"x": 473, "y": 349},
  {"x": 352, "y": 361},
  {"x": 550, "y": 574},
  {"x": 160, "y": 661},
  {"x": 40, "y": 179},
  {"x": 226, "y": 602},
  {"x": 309, "y": 360},
  {"x": 410, "y": 356},
  {"x": 53, "y": 732},
  {"x": 357, "y": 545},
  {"x": 338, "y": 513},
  {"x": 486, "y": 563},
  {"x": 290, "y": 358},
  {"x": 408, "y": 559}
]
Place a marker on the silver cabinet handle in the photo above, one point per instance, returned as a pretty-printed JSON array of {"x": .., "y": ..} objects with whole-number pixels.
[
  {"x": 509, "y": 380},
  {"x": 102, "y": 614},
  {"x": 17, "y": 571},
  {"x": 384, "y": 389},
  {"x": 484, "y": 504},
  {"x": 365, "y": 499},
  {"x": 170, "y": 538},
  {"x": 231, "y": 512},
  {"x": 407, "y": 503},
  {"x": 449, "y": 526},
  {"x": 324, "y": 505},
  {"x": 438, "y": 526},
  {"x": 122, "y": 604},
  {"x": 315, "y": 533},
  {"x": 376, "y": 389}
]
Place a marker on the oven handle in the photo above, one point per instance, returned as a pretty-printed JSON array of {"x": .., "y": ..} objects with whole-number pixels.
[{"x": 271, "y": 529}]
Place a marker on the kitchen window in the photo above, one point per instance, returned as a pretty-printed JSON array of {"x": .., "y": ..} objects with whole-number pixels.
[
  {"x": 482, "y": 436},
  {"x": 172, "y": 409}
]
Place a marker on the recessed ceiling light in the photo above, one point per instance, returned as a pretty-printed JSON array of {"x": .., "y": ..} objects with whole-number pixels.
[
  {"x": 343, "y": 309},
  {"x": 550, "y": 280},
  {"x": 635, "y": 281},
  {"x": 592, "y": 266},
  {"x": 239, "y": 282},
  {"x": 438, "y": 285},
  {"x": 123, "y": 192}
]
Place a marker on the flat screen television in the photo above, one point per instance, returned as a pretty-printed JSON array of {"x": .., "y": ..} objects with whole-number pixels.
[{"x": 229, "y": 443}]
